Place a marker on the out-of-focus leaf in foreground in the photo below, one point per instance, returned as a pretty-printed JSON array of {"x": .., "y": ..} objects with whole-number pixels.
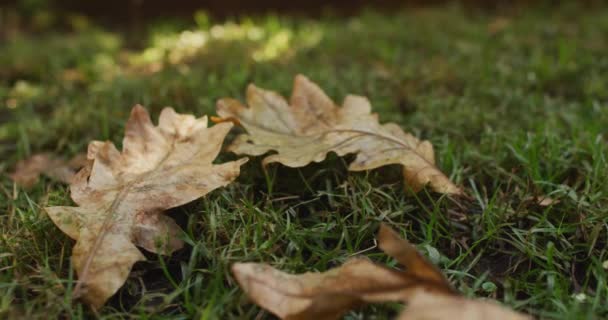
[{"x": 331, "y": 294}]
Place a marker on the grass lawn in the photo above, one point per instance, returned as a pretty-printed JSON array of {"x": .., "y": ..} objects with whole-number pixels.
[{"x": 515, "y": 104}]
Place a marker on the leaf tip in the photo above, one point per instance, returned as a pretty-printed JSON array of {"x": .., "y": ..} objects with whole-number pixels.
[
  {"x": 229, "y": 109},
  {"x": 452, "y": 190},
  {"x": 300, "y": 78},
  {"x": 388, "y": 238},
  {"x": 139, "y": 117},
  {"x": 241, "y": 271},
  {"x": 252, "y": 91},
  {"x": 237, "y": 267},
  {"x": 138, "y": 109},
  {"x": 242, "y": 161}
]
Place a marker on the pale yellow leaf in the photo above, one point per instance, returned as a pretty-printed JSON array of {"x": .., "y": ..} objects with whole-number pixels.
[
  {"x": 121, "y": 196},
  {"x": 308, "y": 127}
]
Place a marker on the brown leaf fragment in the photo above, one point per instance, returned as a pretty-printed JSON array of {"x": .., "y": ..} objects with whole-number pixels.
[
  {"x": 121, "y": 196},
  {"x": 498, "y": 25},
  {"x": 27, "y": 172},
  {"x": 429, "y": 306},
  {"x": 408, "y": 256},
  {"x": 542, "y": 201},
  {"x": 311, "y": 125},
  {"x": 330, "y": 294}
]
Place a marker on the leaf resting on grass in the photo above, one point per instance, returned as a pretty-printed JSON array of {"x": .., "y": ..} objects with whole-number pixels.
[
  {"x": 328, "y": 295},
  {"x": 121, "y": 196},
  {"x": 28, "y": 171},
  {"x": 427, "y": 306},
  {"x": 311, "y": 125}
]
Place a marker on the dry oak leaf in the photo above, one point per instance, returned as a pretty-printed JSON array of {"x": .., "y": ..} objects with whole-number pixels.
[
  {"x": 121, "y": 196},
  {"x": 311, "y": 125},
  {"x": 428, "y": 306},
  {"x": 27, "y": 172},
  {"x": 328, "y": 295}
]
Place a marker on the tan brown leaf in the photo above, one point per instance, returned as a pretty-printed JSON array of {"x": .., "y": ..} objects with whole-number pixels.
[
  {"x": 429, "y": 306},
  {"x": 121, "y": 196},
  {"x": 328, "y": 295},
  {"x": 311, "y": 125},
  {"x": 27, "y": 172}
]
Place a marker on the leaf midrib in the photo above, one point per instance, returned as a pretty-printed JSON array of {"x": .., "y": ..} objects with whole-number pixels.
[{"x": 109, "y": 218}]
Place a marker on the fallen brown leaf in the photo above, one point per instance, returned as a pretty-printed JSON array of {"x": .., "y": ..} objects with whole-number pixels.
[
  {"x": 429, "y": 306},
  {"x": 121, "y": 196},
  {"x": 498, "y": 25},
  {"x": 27, "y": 172},
  {"x": 311, "y": 125},
  {"x": 542, "y": 201},
  {"x": 328, "y": 295},
  {"x": 73, "y": 75}
]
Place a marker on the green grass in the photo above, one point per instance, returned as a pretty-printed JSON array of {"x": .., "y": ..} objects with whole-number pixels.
[{"x": 513, "y": 115}]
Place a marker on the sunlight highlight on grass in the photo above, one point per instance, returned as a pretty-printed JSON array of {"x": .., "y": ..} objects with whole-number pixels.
[
  {"x": 21, "y": 92},
  {"x": 261, "y": 43}
]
